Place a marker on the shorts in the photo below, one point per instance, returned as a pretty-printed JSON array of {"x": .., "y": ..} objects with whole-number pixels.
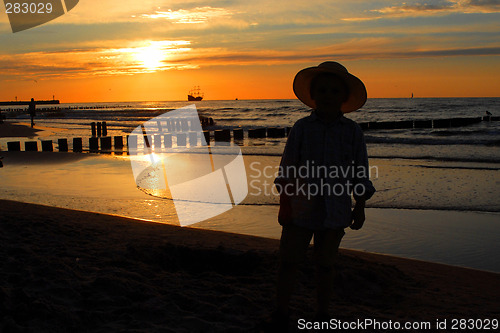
[{"x": 295, "y": 241}]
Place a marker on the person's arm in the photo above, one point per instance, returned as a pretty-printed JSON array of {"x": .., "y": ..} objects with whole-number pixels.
[
  {"x": 284, "y": 181},
  {"x": 362, "y": 181},
  {"x": 285, "y": 211},
  {"x": 358, "y": 215}
]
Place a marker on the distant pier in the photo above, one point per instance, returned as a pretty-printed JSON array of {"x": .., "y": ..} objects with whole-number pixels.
[{"x": 12, "y": 103}]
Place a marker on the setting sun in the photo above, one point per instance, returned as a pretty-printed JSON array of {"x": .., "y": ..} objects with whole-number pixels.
[{"x": 151, "y": 57}]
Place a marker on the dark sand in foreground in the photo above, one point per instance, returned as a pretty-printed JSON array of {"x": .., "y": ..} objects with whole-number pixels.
[{"x": 72, "y": 271}]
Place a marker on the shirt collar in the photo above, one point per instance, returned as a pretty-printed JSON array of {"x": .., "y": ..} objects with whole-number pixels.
[{"x": 314, "y": 117}]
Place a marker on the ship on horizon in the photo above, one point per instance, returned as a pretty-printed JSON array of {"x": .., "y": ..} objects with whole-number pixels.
[{"x": 195, "y": 94}]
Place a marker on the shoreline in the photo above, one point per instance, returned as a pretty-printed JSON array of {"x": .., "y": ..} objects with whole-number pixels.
[
  {"x": 66, "y": 269},
  {"x": 400, "y": 184}
]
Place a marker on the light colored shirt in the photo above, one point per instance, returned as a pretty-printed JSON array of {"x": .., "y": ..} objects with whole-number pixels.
[{"x": 323, "y": 164}]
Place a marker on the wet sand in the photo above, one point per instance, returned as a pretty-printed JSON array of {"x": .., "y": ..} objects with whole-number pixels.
[
  {"x": 65, "y": 270},
  {"x": 17, "y": 130},
  {"x": 20, "y": 130}
]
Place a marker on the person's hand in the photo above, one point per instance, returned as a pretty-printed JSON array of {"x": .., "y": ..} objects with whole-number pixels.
[
  {"x": 358, "y": 215},
  {"x": 285, "y": 212}
]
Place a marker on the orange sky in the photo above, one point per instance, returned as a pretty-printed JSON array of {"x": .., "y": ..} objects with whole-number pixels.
[{"x": 158, "y": 50}]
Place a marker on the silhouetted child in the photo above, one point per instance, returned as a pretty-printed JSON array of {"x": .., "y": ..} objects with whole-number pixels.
[{"x": 323, "y": 164}]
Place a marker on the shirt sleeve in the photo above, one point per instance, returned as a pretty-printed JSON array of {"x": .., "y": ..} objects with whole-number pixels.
[
  {"x": 290, "y": 157},
  {"x": 362, "y": 168}
]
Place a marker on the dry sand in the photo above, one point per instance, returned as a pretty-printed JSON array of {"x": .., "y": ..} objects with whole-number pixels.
[{"x": 72, "y": 271}]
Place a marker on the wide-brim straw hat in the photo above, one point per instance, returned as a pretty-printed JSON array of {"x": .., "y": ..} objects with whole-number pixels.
[{"x": 357, "y": 91}]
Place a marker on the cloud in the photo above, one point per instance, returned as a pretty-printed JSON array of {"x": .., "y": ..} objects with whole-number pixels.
[
  {"x": 371, "y": 49},
  {"x": 480, "y": 6},
  {"x": 184, "y": 35},
  {"x": 432, "y": 9},
  {"x": 129, "y": 58},
  {"x": 174, "y": 14},
  {"x": 138, "y": 58},
  {"x": 360, "y": 19},
  {"x": 417, "y": 8},
  {"x": 192, "y": 16}
]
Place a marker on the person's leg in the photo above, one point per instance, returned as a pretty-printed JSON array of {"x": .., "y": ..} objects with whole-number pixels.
[
  {"x": 326, "y": 244},
  {"x": 293, "y": 246}
]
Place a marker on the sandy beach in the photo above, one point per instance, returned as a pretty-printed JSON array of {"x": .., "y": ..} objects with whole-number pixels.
[{"x": 66, "y": 270}]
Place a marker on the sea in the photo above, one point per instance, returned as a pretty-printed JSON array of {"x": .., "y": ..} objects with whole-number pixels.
[
  {"x": 478, "y": 142},
  {"x": 438, "y": 193}
]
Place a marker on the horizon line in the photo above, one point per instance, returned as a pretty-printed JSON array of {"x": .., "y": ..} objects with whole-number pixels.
[{"x": 262, "y": 99}]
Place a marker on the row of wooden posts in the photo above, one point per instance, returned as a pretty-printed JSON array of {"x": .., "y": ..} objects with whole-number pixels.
[
  {"x": 170, "y": 125},
  {"x": 107, "y": 143},
  {"x": 185, "y": 125},
  {"x": 432, "y": 123},
  {"x": 95, "y": 144}
]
